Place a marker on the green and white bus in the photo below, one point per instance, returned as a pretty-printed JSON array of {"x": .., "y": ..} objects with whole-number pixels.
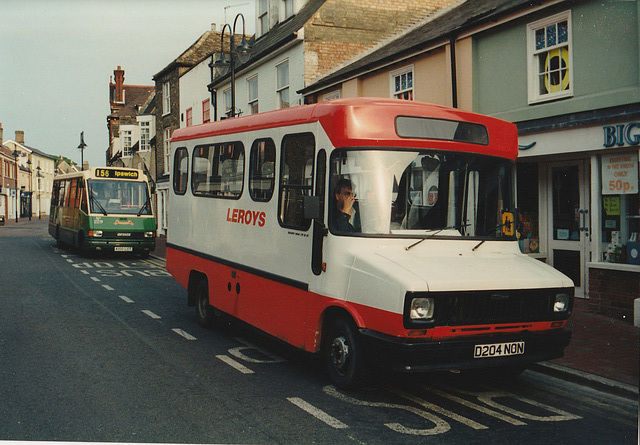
[{"x": 103, "y": 210}]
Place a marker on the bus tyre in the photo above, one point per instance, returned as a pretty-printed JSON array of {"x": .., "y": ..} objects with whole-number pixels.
[
  {"x": 205, "y": 313},
  {"x": 343, "y": 353}
]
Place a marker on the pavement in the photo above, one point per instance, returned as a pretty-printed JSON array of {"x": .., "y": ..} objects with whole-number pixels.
[{"x": 604, "y": 352}]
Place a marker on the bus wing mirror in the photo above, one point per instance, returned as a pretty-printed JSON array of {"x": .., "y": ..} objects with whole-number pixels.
[{"x": 311, "y": 207}]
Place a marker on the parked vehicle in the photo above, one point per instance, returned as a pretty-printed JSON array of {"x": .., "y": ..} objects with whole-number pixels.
[{"x": 371, "y": 231}]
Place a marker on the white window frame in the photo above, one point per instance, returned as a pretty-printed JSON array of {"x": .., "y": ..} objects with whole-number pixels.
[
  {"x": 145, "y": 136},
  {"x": 226, "y": 94},
  {"x": 533, "y": 59},
  {"x": 263, "y": 16},
  {"x": 166, "y": 98},
  {"x": 332, "y": 95},
  {"x": 167, "y": 149},
  {"x": 126, "y": 143},
  {"x": 288, "y": 9},
  {"x": 283, "y": 88},
  {"x": 407, "y": 89},
  {"x": 252, "y": 99}
]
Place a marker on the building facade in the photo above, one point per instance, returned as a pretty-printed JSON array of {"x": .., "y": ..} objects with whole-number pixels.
[
  {"x": 129, "y": 134},
  {"x": 570, "y": 81},
  {"x": 31, "y": 196},
  {"x": 168, "y": 114}
]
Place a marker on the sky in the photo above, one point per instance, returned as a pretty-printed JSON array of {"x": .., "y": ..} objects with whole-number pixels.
[{"x": 57, "y": 57}]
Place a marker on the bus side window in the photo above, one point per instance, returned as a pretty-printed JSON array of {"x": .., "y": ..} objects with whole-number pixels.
[
  {"x": 296, "y": 179},
  {"x": 180, "y": 171},
  {"x": 62, "y": 195},
  {"x": 218, "y": 170},
  {"x": 262, "y": 169}
]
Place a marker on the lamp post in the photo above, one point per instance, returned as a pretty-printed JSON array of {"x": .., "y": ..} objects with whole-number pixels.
[
  {"x": 38, "y": 177},
  {"x": 241, "y": 51},
  {"x": 29, "y": 195},
  {"x": 81, "y": 147},
  {"x": 16, "y": 153}
]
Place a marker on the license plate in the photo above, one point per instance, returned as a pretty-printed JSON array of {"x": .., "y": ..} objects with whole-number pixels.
[
  {"x": 123, "y": 249},
  {"x": 498, "y": 349}
]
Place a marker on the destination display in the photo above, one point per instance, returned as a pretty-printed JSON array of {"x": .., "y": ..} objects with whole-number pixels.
[{"x": 116, "y": 173}]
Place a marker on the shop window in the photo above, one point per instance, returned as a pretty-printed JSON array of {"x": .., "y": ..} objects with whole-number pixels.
[
  {"x": 550, "y": 59},
  {"x": 620, "y": 209},
  {"x": 296, "y": 179},
  {"x": 180, "y": 171},
  {"x": 262, "y": 170},
  {"x": 218, "y": 170},
  {"x": 528, "y": 205}
]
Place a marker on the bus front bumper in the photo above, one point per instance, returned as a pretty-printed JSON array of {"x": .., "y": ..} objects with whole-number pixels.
[
  {"x": 112, "y": 245},
  {"x": 411, "y": 355}
]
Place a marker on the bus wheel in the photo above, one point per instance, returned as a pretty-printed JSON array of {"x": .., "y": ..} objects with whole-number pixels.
[
  {"x": 205, "y": 313},
  {"x": 343, "y": 353}
]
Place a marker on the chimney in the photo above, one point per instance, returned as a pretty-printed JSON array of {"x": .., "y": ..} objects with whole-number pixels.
[
  {"x": 119, "y": 76},
  {"x": 20, "y": 137},
  {"x": 213, "y": 27},
  {"x": 1, "y": 132}
]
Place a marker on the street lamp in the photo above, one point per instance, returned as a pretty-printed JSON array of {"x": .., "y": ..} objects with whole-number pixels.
[
  {"x": 81, "y": 147},
  {"x": 16, "y": 153},
  {"x": 39, "y": 176},
  {"x": 242, "y": 52},
  {"x": 30, "y": 189}
]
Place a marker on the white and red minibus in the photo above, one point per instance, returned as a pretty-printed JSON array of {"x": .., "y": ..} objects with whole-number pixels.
[{"x": 372, "y": 231}]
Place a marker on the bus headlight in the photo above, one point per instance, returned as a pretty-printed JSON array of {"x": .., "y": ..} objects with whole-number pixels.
[
  {"x": 561, "y": 304},
  {"x": 149, "y": 234},
  {"x": 421, "y": 309},
  {"x": 95, "y": 233}
]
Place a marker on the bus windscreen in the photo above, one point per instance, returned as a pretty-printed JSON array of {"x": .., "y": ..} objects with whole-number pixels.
[{"x": 118, "y": 197}]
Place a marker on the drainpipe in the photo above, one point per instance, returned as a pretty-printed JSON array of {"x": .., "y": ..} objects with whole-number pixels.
[{"x": 454, "y": 79}]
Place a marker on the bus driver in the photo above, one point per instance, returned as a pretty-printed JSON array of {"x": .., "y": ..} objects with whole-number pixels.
[{"x": 344, "y": 216}]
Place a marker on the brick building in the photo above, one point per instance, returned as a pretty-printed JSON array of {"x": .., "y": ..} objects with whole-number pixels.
[
  {"x": 125, "y": 131},
  {"x": 167, "y": 112}
]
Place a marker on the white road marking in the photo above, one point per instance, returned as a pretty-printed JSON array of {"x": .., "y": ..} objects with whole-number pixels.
[
  {"x": 107, "y": 287},
  {"x": 440, "y": 425},
  {"x": 69, "y": 260},
  {"x": 126, "y": 299},
  {"x": 234, "y": 364},
  {"x": 151, "y": 314},
  {"x": 439, "y": 410},
  {"x": 95, "y": 278},
  {"x": 317, "y": 413},
  {"x": 86, "y": 272},
  {"x": 184, "y": 334},
  {"x": 472, "y": 405}
]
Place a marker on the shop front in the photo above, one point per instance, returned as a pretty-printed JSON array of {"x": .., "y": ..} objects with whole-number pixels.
[{"x": 579, "y": 210}]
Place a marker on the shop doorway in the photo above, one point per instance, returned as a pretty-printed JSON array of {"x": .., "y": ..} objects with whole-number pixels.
[{"x": 569, "y": 222}]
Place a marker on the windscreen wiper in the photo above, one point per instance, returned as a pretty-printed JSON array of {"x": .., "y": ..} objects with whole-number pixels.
[
  {"x": 435, "y": 232},
  {"x": 95, "y": 201},
  {"x": 144, "y": 206}
]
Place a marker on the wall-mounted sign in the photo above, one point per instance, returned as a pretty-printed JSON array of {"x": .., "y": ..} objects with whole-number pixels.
[
  {"x": 621, "y": 134},
  {"x": 620, "y": 174}
]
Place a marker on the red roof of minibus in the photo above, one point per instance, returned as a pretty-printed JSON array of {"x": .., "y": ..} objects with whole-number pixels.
[{"x": 366, "y": 122}]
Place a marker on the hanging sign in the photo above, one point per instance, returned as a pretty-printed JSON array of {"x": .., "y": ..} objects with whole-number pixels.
[{"x": 620, "y": 174}]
